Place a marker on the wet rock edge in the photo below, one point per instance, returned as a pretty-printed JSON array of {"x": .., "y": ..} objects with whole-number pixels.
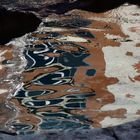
[{"x": 128, "y": 131}]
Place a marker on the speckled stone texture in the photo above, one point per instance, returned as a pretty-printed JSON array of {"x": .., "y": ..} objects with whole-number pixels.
[{"x": 129, "y": 131}]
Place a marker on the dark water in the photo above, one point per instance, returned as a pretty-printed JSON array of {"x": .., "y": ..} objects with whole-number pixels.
[{"x": 50, "y": 93}]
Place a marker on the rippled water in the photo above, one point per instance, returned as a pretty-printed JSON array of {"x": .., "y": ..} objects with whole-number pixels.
[
  {"x": 49, "y": 93},
  {"x": 64, "y": 78}
]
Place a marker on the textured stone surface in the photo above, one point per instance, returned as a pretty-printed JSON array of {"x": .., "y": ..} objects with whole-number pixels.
[
  {"x": 44, "y": 7},
  {"x": 129, "y": 131},
  {"x": 34, "y": 5}
]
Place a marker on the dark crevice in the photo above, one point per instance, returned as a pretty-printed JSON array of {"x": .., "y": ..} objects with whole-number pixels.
[
  {"x": 7, "y": 133},
  {"x": 113, "y": 134},
  {"x": 16, "y": 24},
  {"x": 97, "y": 6},
  {"x": 104, "y": 5}
]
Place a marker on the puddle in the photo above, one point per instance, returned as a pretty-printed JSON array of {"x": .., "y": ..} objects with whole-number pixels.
[
  {"x": 65, "y": 74},
  {"x": 51, "y": 66}
]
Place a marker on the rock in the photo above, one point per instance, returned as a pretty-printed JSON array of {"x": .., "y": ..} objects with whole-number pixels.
[
  {"x": 45, "y": 7},
  {"x": 128, "y": 131},
  {"x": 16, "y": 24},
  {"x": 40, "y": 6}
]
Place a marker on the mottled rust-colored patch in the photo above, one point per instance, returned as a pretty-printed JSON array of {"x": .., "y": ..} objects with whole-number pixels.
[
  {"x": 29, "y": 119},
  {"x": 137, "y": 67},
  {"x": 29, "y": 75},
  {"x": 134, "y": 29},
  {"x": 138, "y": 112},
  {"x": 98, "y": 83},
  {"x": 129, "y": 53},
  {"x": 53, "y": 54},
  {"x": 137, "y": 78},
  {"x": 6, "y": 112},
  {"x": 138, "y": 45},
  {"x": 8, "y": 55},
  {"x": 130, "y": 96}
]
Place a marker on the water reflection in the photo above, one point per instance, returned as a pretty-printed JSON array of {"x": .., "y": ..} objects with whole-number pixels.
[{"x": 49, "y": 92}]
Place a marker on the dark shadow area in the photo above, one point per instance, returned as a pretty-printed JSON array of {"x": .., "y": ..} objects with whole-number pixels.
[
  {"x": 103, "y": 5},
  {"x": 96, "y": 6},
  {"x": 16, "y": 24},
  {"x": 7, "y": 133}
]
